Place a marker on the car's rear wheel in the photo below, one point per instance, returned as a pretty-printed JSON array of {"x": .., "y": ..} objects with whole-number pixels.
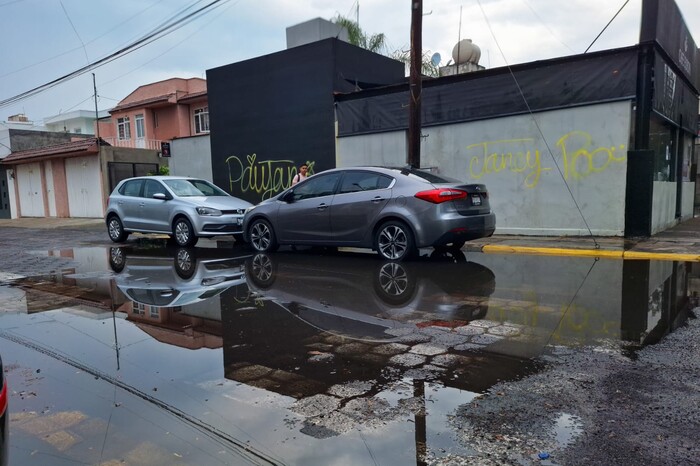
[
  {"x": 394, "y": 241},
  {"x": 184, "y": 233},
  {"x": 262, "y": 237},
  {"x": 457, "y": 245},
  {"x": 115, "y": 229}
]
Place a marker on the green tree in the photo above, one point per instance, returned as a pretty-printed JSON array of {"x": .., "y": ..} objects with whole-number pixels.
[
  {"x": 377, "y": 43},
  {"x": 356, "y": 36}
]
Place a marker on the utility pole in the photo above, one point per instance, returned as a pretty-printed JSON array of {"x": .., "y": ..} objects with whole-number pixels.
[
  {"x": 97, "y": 115},
  {"x": 414, "y": 80}
]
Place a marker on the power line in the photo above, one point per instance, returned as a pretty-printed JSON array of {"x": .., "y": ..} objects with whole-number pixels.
[
  {"x": 606, "y": 26},
  {"x": 87, "y": 59},
  {"x": 537, "y": 125},
  {"x": 139, "y": 13},
  {"x": 154, "y": 35}
]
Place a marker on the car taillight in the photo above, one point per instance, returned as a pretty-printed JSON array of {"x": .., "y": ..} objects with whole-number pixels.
[{"x": 437, "y": 196}]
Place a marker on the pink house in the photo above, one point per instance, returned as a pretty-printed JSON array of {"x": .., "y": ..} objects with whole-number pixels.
[{"x": 158, "y": 112}]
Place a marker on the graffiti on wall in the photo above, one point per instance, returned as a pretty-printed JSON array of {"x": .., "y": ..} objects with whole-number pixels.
[
  {"x": 263, "y": 178},
  {"x": 580, "y": 157}
]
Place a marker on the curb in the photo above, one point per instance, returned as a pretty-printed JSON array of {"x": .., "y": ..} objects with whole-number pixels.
[{"x": 631, "y": 255}]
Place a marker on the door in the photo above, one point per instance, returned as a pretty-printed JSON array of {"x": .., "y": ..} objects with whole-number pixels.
[
  {"x": 306, "y": 217},
  {"x": 140, "y": 132},
  {"x": 84, "y": 187},
  {"x": 155, "y": 213},
  {"x": 360, "y": 198},
  {"x": 4, "y": 195},
  {"x": 31, "y": 195}
]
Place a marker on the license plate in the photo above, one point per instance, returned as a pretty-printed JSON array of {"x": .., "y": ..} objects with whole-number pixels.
[{"x": 476, "y": 199}]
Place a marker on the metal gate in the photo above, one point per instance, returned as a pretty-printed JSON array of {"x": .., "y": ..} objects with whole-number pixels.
[{"x": 4, "y": 194}]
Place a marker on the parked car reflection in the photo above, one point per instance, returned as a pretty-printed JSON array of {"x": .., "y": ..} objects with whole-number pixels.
[
  {"x": 4, "y": 417},
  {"x": 363, "y": 299},
  {"x": 166, "y": 277}
]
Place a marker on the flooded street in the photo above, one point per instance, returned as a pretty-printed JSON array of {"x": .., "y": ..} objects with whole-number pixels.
[{"x": 147, "y": 354}]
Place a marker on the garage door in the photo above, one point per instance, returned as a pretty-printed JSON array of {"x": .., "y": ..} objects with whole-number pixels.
[
  {"x": 83, "y": 186},
  {"x": 31, "y": 192}
]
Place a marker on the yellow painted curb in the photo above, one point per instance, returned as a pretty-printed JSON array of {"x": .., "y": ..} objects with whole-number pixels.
[
  {"x": 635, "y": 255},
  {"x": 662, "y": 256}
]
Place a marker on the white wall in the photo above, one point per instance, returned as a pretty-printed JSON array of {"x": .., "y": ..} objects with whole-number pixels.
[
  {"x": 191, "y": 157},
  {"x": 687, "y": 200},
  {"x": 525, "y": 161},
  {"x": 663, "y": 214}
]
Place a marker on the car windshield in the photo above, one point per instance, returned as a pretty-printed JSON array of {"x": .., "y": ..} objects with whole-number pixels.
[
  {"x": 190, "y": 188},
  {"x": 426, "y": 176}
]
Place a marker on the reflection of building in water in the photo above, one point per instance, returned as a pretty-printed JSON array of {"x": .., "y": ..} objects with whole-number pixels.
[{"x": 170, "y": 325}]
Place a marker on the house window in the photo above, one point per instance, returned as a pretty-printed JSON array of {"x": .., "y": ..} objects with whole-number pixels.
[
  {"x": 140, "y": 127},
  {"x": 123, "y": 128},
  {"x": 155, "y": 119},
  {"x": 201, "y": 120}
]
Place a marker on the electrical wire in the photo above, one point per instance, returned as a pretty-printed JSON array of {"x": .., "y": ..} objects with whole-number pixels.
[
  {"x": 606, "y": 26},
  {"x": 539, "y": 129},
  {"x": 159, "y": 33},
  {"x": 87, "y": 59},
  {"x": 547, "y": 27},
  {"x": 139, "y": 13}
]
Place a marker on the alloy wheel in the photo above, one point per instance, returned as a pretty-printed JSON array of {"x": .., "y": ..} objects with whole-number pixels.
[{"x": 393, "y": 242}]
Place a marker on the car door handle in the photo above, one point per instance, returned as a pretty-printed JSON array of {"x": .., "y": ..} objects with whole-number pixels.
[
  {"x": 142, "y": 204},
  {"x": 322, "y": 206},
  {"x": 377, "y": 200}
]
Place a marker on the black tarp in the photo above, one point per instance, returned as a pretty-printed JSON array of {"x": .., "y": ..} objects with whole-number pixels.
[{"x": 560, "y": 83}]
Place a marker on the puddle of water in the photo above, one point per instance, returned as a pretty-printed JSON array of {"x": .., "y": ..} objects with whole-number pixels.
[{"x": 313, "y": 357}]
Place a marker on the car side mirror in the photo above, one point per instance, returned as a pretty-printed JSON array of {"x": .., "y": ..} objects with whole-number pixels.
[
  {"x": 160, "y": 196},
  {"x": 289, "y": 196}
]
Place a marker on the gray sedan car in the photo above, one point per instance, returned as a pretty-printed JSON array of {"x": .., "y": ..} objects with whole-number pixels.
[
  {"x": 182, "y": 207},
  {"x": 394, "y": 211}
]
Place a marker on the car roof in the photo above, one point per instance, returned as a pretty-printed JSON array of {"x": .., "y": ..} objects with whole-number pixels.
[{"x": 162, "y": 178}]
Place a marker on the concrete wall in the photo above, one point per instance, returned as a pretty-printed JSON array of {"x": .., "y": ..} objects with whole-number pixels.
[
  {"x": 27, "y": 139},
  {"x": 191, "y": 157},
  {"x": 687, "y": 200},
  {"x": 663, "y": 213},
  {"x": 526, "y": 163}
]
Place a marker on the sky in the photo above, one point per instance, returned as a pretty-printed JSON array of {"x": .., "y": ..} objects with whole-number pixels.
[{"x": 43, "y": 40}]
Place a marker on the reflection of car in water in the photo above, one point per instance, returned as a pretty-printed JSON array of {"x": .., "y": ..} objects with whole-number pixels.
[
  {"x": 167, "y": 277},
  {"x": 363, "y": 299},
  {"x": 4, "y": 417}
]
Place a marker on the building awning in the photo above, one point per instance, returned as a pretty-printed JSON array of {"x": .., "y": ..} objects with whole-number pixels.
[{"x": 67, "y": 149}]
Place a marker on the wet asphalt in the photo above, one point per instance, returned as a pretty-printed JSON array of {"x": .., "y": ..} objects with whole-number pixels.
[{"x": 540, "y": 360}]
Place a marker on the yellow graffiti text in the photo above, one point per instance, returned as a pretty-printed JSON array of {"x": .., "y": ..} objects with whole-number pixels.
[
  {"x": 580, "y": 157},
  {"x": 514, "y": 155}
]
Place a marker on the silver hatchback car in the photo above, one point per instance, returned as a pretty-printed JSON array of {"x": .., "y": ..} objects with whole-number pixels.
[
  {"x": 394, "y": 211},
  {"x": 185, "y": 208}
]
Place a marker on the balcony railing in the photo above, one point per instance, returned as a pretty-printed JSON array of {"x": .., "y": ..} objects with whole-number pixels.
[{"x": 151, "y": 144}]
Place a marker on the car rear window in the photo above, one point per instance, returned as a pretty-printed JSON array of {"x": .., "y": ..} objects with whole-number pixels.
[
  {"x": 426, "y": 176},
  {"x": 131, "y": 188}
]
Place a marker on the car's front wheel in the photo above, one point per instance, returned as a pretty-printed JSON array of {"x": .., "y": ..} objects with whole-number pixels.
[
  {"x": 185, "y": 263},
  {"x": 394, "y": 241},
  {"x": 183, "y": 233},
  {"x": 262, "y": 237},
  {"x": 115, "y": 229}
]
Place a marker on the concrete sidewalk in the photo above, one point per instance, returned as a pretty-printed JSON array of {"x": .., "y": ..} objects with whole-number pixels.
[
  {"x": 52, "y": 222},
  {"x": 680, "y": 243}
]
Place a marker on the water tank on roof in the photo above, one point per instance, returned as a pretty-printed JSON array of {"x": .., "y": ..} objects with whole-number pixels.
[{"x": 466, "y": 52}]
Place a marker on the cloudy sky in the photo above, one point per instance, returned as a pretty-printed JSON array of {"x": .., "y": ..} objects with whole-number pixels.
[{"x": 43, "y": 40}]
